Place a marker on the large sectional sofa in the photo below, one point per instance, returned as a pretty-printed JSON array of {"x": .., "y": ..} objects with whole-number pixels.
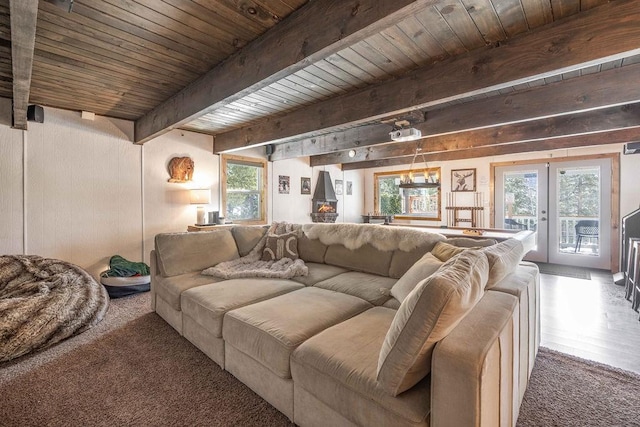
[{"x": 400, "y": 328}]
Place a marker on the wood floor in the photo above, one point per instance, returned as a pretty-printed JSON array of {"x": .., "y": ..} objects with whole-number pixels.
[{"x": 590, "y": 319}]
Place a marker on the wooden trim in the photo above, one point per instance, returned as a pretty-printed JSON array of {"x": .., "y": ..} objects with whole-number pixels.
[
  {"x": 593, "y": 37},
  {"x": 376, "y": 192},
  {"x": 258, "y": 162},
  {"x": 24, "y": 16},
  {"x": 299, "y": 40},
  {"x": 615, "y": 193}
]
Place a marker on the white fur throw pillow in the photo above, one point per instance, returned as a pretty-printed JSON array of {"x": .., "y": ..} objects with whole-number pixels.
[{"x": 423, "y": 268}]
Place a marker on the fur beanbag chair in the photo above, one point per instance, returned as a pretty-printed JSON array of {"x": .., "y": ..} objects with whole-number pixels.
[{"x": 43, "y": 301}]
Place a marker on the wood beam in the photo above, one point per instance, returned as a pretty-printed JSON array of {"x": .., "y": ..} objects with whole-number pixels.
[
  {"x": 602, "y": 34},
  {"x": 23, "y": 17},
  {"x": 600, "y": 138},
  {"x": 334, "y": 142},
  {"x": 613, "y": 118},
  {"x": 312, "y": 33},
  {"x": 593, "y": 91}
]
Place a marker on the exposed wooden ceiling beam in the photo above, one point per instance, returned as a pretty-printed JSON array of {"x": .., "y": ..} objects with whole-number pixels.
[
  {"x": 580, "y": 41},
  {"x": 23, "y": 17},
  {"x": 593, "y": 91},
  {"x": 317, "y": 30},
  {"x": 569, "y": 125},
  {"x": 600, "y": 138}
]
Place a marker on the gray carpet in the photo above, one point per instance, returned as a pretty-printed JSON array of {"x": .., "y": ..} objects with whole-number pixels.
[
  {"x": 140, "y": 372},
  {"x": 564, "y": 270}
]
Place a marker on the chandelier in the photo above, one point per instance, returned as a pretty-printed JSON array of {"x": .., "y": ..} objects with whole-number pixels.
[{"x": 430, "y": 180}]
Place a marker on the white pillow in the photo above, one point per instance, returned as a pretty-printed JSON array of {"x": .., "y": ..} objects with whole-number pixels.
[{"x": 423, "y": 268}]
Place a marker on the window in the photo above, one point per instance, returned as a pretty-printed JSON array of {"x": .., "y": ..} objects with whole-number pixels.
[
  {"x": 407, "y": 203},
  {"x": 244, "y": 189}
]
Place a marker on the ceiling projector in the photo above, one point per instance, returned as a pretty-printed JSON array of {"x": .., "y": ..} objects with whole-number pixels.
[{"x": 408, "y": 134}]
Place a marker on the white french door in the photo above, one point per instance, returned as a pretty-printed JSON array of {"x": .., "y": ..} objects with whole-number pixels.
[{"x": 568, "y": 204}]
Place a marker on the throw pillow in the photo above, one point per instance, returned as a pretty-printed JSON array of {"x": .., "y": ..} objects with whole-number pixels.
[
  {"x": 427, "y": 315},
  {"x": 281, "y": 246},
  {"x": 445, "y": 251},
  {"x": 503, "y": 259},
  {"x": 423, "y": 268}
]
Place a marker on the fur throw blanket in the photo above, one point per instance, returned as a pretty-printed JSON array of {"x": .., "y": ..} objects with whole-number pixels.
[
  {"x": 251, "y": 265},
  {"x": 384, "y": 238},
  {"x": 43, "y": 301}
]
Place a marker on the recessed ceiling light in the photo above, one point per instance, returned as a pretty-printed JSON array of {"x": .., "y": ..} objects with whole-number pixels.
[{"x": 352, "y": 153}]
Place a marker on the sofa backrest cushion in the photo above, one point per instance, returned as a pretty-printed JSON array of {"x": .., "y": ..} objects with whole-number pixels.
[
  {"x": 468, "y": 242},
  {"x": 423, "y": 268},
  {"x": 503, "y": 259},
  {"x": 180, "y": 253},
  {"x": 427, "y": 315},
  {"x": 366, "y": 258},
  {"x": 402, "y": 261},
  {"x": 311, "y": 250},
  {"x": 247, "y": 237}
]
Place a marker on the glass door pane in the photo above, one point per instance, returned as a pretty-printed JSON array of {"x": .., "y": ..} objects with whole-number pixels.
[
  {"x": 521, "y": 203},
  {"x": 580, "y": 227}
]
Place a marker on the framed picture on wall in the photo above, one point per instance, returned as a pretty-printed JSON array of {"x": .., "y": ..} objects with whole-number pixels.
[
  {"x": 283, "y": 184},
  {"x": 305, "y": 185},
  {"x": 349, "y": 188},
  {"x": 338, "y": 187},
  {"x": 463, "y": 180}
]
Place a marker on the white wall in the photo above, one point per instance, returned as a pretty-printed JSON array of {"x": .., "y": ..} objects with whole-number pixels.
[
  {"x": 295, "y": 207},
  {"x": 629, "y": 194},
  {"x": 83, "y": 190},
  {"x": 11, "y": 211},
  {"x": 166, "y": 204}
]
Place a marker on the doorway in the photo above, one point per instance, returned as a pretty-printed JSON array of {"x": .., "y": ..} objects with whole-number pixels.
[{"x": 571, "y": 203}]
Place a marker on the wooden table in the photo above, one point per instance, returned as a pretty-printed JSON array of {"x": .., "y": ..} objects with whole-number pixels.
[{"x": 387, "y": 218}]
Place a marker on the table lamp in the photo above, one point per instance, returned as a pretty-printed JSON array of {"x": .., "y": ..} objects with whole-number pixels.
[{"x": 200, "y": 197}]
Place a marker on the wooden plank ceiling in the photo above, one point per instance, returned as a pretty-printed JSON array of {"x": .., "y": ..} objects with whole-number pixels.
[{"x": 325, "y": 79}]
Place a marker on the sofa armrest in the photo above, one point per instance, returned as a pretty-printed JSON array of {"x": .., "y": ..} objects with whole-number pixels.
[
  {"x": 474, "y": 373},
  {"x": 153, "y": 267}
]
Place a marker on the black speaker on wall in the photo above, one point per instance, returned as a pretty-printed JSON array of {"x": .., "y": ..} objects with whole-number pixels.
[
  {"x": 631, "y": 148},
  {"x": 35, "y": 113}
]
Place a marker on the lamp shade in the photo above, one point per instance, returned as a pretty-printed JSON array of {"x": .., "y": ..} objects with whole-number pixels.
[{"x": 200, "y": 196}]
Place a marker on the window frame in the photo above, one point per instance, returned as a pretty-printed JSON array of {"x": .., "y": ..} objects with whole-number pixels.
[
  {"x": 251, "y": 161},
  {"x": 376, "y": 192}
]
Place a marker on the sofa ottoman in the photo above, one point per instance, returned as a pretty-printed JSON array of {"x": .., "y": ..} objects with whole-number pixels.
[
  {"x": 337, "y": 368},
  {"x": 204, "y": 307},
  {"x": 269, "y": 331}
]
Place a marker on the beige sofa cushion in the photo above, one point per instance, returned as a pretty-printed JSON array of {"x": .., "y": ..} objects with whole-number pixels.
[
  {"x": 311, "y": 250},
  {"x": 180, "y": 253},
  {"x": 445, "y": 251},
  {"x": 423, "y": 268},
  {"x": 247, "y": 237},
  {"x": 503, "y": 259},
  {"x": 170, "y": 288},
  {"x": 468, "y": 242},
  {"x": 270, "y": 330},
  {"x": 338, "y": 366},
  {"x": 318, "y": 273},
  {"x": 426, "y": 316},
  {"x": 369, "y": 287},
  {"x": 366, "y": 258},
  {"x": 402, "y": 261},
  {"x": 207, "y": 305}
]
